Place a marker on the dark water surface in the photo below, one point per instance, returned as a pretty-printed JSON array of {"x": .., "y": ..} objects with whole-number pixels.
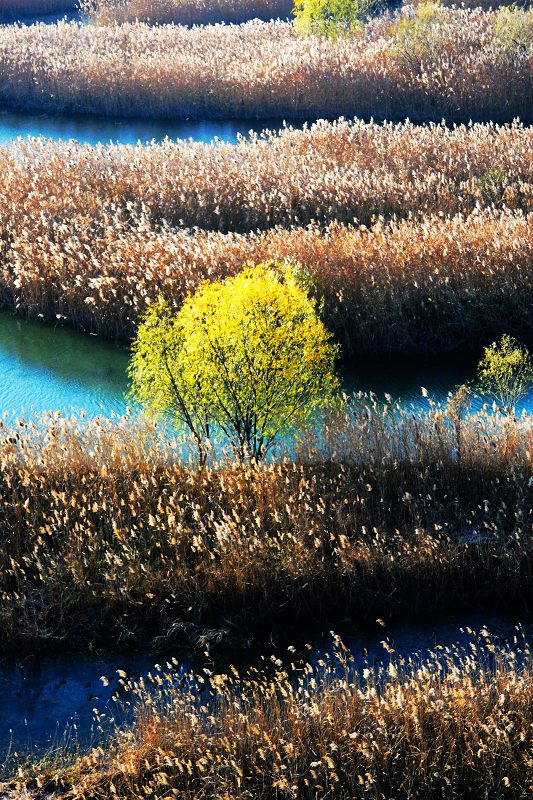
[
  {"x": 50, "y": 18},
  {"x": 49, "y": 700}
]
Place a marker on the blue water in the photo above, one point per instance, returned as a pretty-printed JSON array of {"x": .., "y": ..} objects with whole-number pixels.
[
  {"x": 100, "y": 130},
  {"x": 49, "y": 700},
  {"x": 43, "y": 368},
  {"x": 8, "y": 18}
]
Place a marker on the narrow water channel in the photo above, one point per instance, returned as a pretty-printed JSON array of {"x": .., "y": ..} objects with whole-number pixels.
[
  {"x": 47, "y": 369},
  {"x": 100, "y": 130},
  {"x": 51, "y": 700}
]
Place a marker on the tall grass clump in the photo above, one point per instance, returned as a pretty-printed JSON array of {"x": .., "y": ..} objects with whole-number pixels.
[
  {"x": 452, "y": 724},
  {"x": 110, "y": 237},
  {"x": 469, "y": 69},
  {"x": 185, "y": 12},
  {"x": 414, "y": 286},
  {"x": 109, "y": 537}
]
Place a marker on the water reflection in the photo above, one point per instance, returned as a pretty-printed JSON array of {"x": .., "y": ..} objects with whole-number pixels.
[{"x": 44, "y": 368}]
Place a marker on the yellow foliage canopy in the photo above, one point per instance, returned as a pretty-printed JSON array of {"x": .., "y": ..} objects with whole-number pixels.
[{"x": 248, "y": 356}]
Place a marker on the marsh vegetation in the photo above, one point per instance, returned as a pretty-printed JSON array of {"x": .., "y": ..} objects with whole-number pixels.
[
  {"x": 246, "y": 496},
  {"x": 453, "y": 64},
  {"x": 452, "y": 724}
]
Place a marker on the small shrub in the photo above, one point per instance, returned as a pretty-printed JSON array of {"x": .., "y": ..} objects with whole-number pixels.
[
  {"x": 492, "y": 185},
  {"x": 513, "y": 31},
  {"x": 505, "y": 373},
  {"x": 416, "y": 36}
]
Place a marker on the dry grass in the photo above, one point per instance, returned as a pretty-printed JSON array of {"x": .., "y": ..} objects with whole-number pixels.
[
  {"x": 469, "y": 66},
  {"x": 97, "y": 248},
  {"x": 109, "y": 538},
  {"x": 209, "y": 12},
  {"x": 453, "y": 724},
  {"x": 185, "y": 12},
  {"x": 328, "y": 172},
  {"x": 108, "y": 239},
  {"x": 410, "y": 286}
]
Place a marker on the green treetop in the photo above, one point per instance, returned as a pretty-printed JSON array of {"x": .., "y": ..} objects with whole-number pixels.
[{"x": 332, "y": 18}]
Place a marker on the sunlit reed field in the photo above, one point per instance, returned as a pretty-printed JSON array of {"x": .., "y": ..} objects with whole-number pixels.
[
  {"x": 185, "y": 12},
  {"x": 207, "y": 12},
  {"x": 110, "y": 538},
  {"x": 455, "y": 64},
  {"x": 452, "y": 724},
  {"x": 328, "y": 172},
  {"x": 414, "y": 286},
  {"x": 456, "y": 271},
  {"x": 416, "y": 239}
]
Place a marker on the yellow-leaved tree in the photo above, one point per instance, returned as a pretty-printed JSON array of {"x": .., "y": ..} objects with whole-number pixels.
[
  {"x": 248, "y": 356},
  {"x": 505, "y": 373},
  {"x": 333, "y": 18}
]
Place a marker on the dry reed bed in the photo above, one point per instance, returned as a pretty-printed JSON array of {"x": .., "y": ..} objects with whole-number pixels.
[
  {"x": 108, "y": 537},
  {"x": 411, "y": 286},
  {"x": 328, "y": 172},
  {"x": 185, "y": 12},
  {"x": 469, "y": 67},
  {"x": 454, "y": 724},
  {"x": 208, "y": 12}
]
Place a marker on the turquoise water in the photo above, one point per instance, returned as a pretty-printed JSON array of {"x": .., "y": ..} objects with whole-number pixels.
[{"x": 44, "y": 368}]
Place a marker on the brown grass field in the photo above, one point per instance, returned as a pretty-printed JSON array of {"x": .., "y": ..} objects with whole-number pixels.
[
  {"x": 455, "y": 723},
  {"x": 418, "y": 238},
  {"x": 328, "y": 172},
  {"x": 416, "y": 286},
  {"x": 458, "y": 64},
  {"x": 110, "y": 237},
  {"x": 110, "y": 539}
]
